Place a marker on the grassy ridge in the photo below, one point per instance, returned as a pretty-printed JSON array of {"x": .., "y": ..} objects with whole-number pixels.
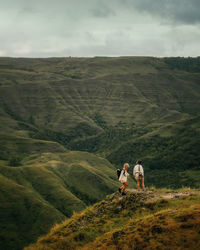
[
  {"x": 139, "y": 220},
  {"x": 46, "y": 189},
  {"x": 24, "y": 215},
  {"x": 20, "y": 145}
]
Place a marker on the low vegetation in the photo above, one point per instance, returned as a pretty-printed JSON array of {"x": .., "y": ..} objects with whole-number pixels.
[{"x": 144, "y": 220}]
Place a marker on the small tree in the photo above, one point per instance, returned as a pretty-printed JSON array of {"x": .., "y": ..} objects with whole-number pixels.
[{"x": 15, "y": 161}]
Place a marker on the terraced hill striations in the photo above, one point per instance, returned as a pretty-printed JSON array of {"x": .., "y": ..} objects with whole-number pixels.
[
  {"x": 61, "y": 93},
  {"x": 73, "y": 101}
]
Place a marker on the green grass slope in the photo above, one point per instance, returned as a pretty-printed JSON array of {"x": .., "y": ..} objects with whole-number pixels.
[
  {"x": 160, "y": 219},
  {"x": 46, "y": 189},
  {"x": 120, "y": 108},
  {"x": 60, "y": 93},
  {"x": 169, "y": 153},
  {"x": 13, "y": 145},
  {"x": 24, "y": 215}
]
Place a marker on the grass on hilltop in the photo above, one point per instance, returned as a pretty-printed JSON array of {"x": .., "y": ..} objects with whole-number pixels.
[{"x": 123, "y": 223}]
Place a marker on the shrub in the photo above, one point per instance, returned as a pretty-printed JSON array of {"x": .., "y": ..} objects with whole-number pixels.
[{"x": 15, "y": 161}]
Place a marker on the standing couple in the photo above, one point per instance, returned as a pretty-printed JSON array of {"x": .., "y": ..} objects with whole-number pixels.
[{"x": 138, "y": 174}]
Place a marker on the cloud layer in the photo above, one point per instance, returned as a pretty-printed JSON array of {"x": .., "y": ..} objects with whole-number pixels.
[
  {"x": 45, "y": 28},
  {"x": 173, "y": 11}
]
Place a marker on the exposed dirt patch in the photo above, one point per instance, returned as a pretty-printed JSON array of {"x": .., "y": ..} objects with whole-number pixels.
[{"x": 153, "y": 196}]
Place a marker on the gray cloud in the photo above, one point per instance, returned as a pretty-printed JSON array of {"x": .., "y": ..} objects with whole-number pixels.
[
  {"x": 102, "y": 11},
  {"x": 43, "y": 28},
  {"x": 180, "y": 11}
]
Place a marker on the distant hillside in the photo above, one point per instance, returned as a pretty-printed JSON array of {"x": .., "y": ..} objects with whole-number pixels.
[
  {"x": 151, "y": 220},
  {"x": 46, "y": 189},
  {"x": 102, "y": 105},
  {"x": 169, "y": 153},
  {"x": 57, "y": 94}
]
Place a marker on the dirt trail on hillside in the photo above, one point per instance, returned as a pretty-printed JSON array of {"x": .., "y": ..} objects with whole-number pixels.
[{"x": 155, "y": 195}]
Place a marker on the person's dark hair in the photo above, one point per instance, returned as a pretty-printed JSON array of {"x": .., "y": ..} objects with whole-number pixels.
[{"x": 139, "y": 162}]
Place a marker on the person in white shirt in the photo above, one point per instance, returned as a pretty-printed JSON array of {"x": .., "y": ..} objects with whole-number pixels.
[
  {"x": 138, "y": 173},
  {"x": 123, "y": 179}
]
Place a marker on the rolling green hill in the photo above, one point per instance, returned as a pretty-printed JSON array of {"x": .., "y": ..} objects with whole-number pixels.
[
  {"x": 61, "y": 93},
  {"x": 116, "y": 110},
  {"x": 46, "y": 189},
  {"x": 73, "y": 100},
  {"x": 120, "y": 108}
]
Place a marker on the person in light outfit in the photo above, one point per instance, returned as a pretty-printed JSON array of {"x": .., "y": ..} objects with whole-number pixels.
[
  {"x": 123, "y": 179},
  {"x": 138, "y": 173}
]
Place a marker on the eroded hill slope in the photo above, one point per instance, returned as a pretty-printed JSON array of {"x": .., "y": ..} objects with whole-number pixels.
[{"x": 68, "y": 99}]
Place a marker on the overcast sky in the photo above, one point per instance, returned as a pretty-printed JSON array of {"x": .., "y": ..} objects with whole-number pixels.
[{"x": 49, "y": 28}]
